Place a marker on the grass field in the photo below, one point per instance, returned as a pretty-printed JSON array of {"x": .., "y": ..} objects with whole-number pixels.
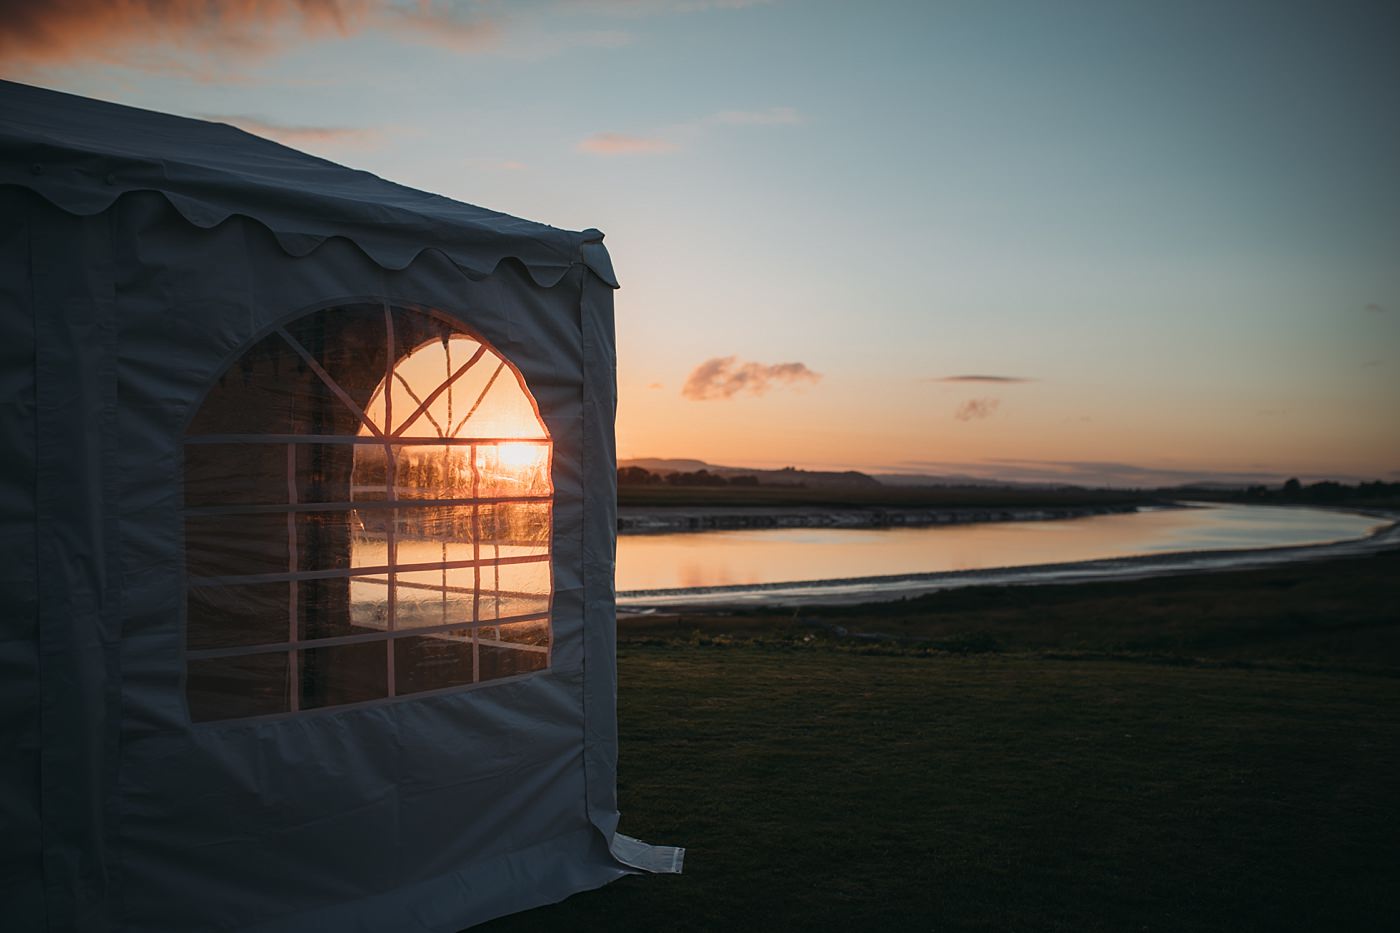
[{"x": 1218, "y": 752}]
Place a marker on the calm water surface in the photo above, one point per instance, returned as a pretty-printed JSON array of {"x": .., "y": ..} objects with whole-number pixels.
[{"x": 729, "y": 558}]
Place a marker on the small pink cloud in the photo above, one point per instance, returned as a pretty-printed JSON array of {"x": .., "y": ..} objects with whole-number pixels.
[
  {"x": 976, "y": 409},
  {"x": 106, "y": 31},
  {"x": 623, "y": 144},
  {"x": 727, "y": 376},
  {"x": 212, "y": 40},
  {"x": 302, "y": 135}
]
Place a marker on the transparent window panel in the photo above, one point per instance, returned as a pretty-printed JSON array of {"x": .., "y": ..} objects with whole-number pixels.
[
  {"x": 435, "y": 534},
  {"x": 425, "y": 398},
  {"x": 369, "y": 473},
  {"x": 506, "y": 660},
  {"x": 344, "y": 674},
  {"x": 343, "y": 539},
  {"x": 325, "y": 472},
  {"x": 432, "y": 662},
  {"x": 501, "y": 409},
  {"x": 230, "y": 688},
  {"x": 270, "y": 390},
  {"x": 351, "y": 344},
  {"x": 394, "y": 392},
  {"x": 231, "y": 616},
  {"x": 414, "y": 331},
  {"x": 484, "y": 400},
  {"x": 516, "y": 529},
  {"x": 444, "y": 471},
  {"x": 257, "y": 474},
  {"x": 513, "y": 468},
  {"x": 491, "y": 597},
  {"x": 527, "y": 634},
  {"x": 366, "y": 610},
  {"x": 235, "y": 474},
  {"x": 433, "y": 597},
  {"x": 523, "y": 589},
  {"x": 324, "y": 609},
  {"x": 433, "y": 471},
  {"x": 236, "y": 545}
]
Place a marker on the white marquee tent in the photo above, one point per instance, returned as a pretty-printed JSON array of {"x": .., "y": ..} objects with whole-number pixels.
[{"x": 307, "y": 512}]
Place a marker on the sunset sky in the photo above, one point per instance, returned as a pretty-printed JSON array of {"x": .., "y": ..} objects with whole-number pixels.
[{"x": 1097, "y": 241}]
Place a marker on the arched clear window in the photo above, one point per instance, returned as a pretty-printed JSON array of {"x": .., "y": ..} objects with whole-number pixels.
[{"x": 368, "y": 512}]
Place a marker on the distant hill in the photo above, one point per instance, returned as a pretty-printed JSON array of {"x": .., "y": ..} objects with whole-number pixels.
[
  {"x": 1206, "y": 486},
  {"x": 664, "y": 465},
  {"x": 787, "y": 476},
  {"x": 961, "y": 479}
]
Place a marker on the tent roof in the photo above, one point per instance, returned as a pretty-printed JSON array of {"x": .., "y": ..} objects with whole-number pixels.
[{"x": 82, "y": 155}]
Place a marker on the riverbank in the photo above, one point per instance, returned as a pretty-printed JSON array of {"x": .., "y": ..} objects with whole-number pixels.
[
  {"x": 1341, "y": 612},
  {"x": 1215, "y": 752},
  {"x": 856, "y": 590},
  {"x": 824, "y": 498},
  {"x": 673, "y": 519}
]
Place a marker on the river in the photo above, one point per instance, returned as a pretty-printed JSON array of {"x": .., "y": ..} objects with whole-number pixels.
[{"x": 689, "y": 560}]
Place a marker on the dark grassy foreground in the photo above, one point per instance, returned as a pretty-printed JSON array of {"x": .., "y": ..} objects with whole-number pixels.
[{"x": 1205, "y": 753}]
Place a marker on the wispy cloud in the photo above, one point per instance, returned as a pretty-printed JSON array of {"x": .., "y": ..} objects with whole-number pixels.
[
  {"x": 999, "y": 380},
  {"x": 446, "y": 25},
  {"x": 773, "y": 116},
  {"x": 639, "y": 8},
  {"x": 671, "y": 138},
  {"x": 1093, "y": 473},
  {"x": 976, "y": 409},
  {"x": 727, "y": 376},
  {"x": 611, "y": 144},
  {"x": 217, "y": 40},
  {"x": 1374, "y": 308},
  {"x": 302, "y": 135},
  {"x": 156, "y": 34},
  {"x": 541, "y": 44}
]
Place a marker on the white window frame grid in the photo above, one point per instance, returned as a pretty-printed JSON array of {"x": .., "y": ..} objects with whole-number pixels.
[{"x": 394, "y": 438}]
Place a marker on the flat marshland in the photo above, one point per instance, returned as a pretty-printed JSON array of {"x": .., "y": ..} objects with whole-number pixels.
[{"x": 1211, "y": 752}]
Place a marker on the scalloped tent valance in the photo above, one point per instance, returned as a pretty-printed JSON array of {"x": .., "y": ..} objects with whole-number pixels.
[{"x": 82, "y": 155}]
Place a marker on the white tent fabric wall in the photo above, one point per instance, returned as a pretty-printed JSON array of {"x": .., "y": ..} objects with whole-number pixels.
[{"x": 141, "y": 256}]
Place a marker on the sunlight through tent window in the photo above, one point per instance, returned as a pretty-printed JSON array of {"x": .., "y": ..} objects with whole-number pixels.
[{"x": 369, "y": 513}]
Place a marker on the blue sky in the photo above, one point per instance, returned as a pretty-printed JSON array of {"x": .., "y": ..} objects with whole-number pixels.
[{"x": 1177, "y": 224}]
